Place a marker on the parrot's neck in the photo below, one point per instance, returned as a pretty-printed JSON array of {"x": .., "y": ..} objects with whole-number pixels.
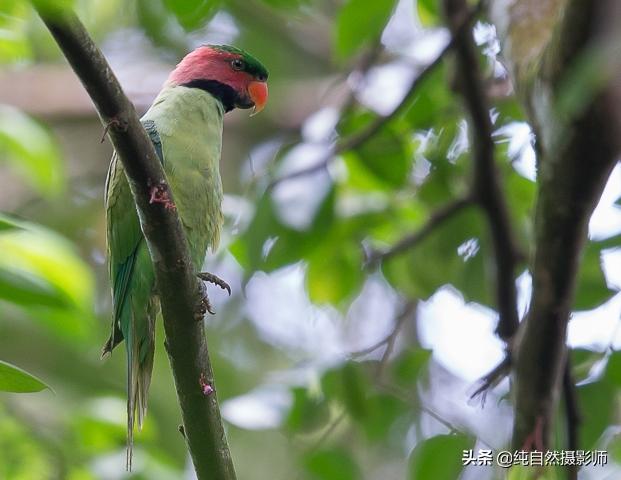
[{"x": 182, "y": 104}]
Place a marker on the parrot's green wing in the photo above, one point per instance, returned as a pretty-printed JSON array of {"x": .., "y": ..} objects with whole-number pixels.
[
  {"x": 133, "y": 296},
  {"x": 124, "y": 235}
]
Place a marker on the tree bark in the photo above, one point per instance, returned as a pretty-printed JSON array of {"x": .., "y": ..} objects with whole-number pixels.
[
  {"x": 176, "y": 282},
  {"x": 544, "y": 42}
]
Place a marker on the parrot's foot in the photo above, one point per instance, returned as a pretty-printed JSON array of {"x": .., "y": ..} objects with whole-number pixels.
[
  {"x": 211, "y": 278},
  {"x": 204, "y": 305}
]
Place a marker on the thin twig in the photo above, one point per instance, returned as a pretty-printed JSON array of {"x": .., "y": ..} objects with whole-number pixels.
[
  {"x": 388, "y": 338},
  {"x": 493, "y": 378},
  {"x": 436, "y": 219},
  {"x": 408, "y": 313}
]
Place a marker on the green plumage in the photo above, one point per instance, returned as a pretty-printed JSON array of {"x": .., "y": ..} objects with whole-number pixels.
[{"x": 185, "y": 125}]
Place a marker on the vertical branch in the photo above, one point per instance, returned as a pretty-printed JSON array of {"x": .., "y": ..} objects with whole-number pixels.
[
  {"x": 568, "y": 186},
  {"x": 486, "y": 188},
  {"x": 572, "y": 416},
  {"x": 176, "y": 282}
]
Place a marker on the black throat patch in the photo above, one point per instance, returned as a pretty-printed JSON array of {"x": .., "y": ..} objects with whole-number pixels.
[{"x": 226, "y": 94}]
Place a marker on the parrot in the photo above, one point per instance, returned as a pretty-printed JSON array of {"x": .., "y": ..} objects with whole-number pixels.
[{"x": 185, "y": 124}]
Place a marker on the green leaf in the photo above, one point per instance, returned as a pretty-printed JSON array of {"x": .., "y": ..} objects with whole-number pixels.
[
  {"x": 308, "y": 412},
  {"x": 592, "y": 289},
  {"x": 332, "y": 464},
  {"x": 192, "y": 14},
  {"x": 520, "y": 472},
  {"x": 14, "y": 379},
  {"x": 7, "y": 223},
  {"x": 439, "y": 457},
  {"x": 31, "y": 151},
  {"x": 334, "y": 273},
  {"x": 597, "y": 405},
  {"x": 582, "y": 361},
  {"x": 41, "y": 272},
  {"x": 428, "y": 12},
  {"x": 348, "y": 384},
  {"x": 359, "y": 22},
  {"x": 24, "y": 288},
  {"x": 407, "y": 367},
  {"x": 285, "y": 4},
  {"x": 388, "y": 156},
  {"x": 455, "y": 252},
  {"x": 434, "y": 104},
  {"x": 383, "y": 411},
  {"x": 42, "y": 254},
  {"x": 613, "y": 369}
]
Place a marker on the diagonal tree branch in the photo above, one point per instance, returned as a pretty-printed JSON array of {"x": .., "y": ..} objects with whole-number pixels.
[{"x": 176, "y": 282}]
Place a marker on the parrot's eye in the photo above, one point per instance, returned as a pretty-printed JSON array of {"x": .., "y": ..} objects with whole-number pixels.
[
  {"x": 262, "y": 78},
  {"x": 237, "y": 64}
]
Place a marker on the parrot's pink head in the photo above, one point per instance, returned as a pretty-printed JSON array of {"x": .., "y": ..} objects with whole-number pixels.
[{"x": 231, "y": 75}]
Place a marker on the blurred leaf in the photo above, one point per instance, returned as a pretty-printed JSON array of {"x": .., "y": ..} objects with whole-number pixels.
[
  {"x": 359, "y": 22},
  {"x": 407, "y": 367},
  {"x": 161, "y": 27},
  {"x": 7, "y": 223},
  {"x": 383, "y": 411},
  {"x": 597, "y": 404},
  {"x": 520, "y": 472},
  {"x": 23, "y": 457},
  {"x": 348, "y": 384},
  {"x": 14, "y": 43},
  {"x": 613, "y": 369},
  {"x": 332, "y": 464},
  {"x": 439, "y": 457},
  {"x": 14, "y": 379},
  {"x": 582, "y": 361},
  {"x": 454, "y": 253},
  {"x": 193, "y": 13},
  {"x": 614, "y": 448},
  {"x": 30, "y": 150},
  {"x": 24, "y": 288},
  {"x": 50, "y": 257},
  {"x": 285, "y": 4},
  {"x": 428, "y": 12},
  {"x": 520, "y": 194},
  {"x": 334, "y": 273},
  {"x": 592, "y": 289},
  {"x": 433, "y": 105},
  {"x": 41, "y": 272},
  {"x": 388, "y": 156},
  {"x": 268, "y": 244},
  {"x": 308, "y": 412}
]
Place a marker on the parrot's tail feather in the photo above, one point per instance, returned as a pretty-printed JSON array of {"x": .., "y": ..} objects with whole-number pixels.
[
  {"x": 140, "y": 368},
  {"x": 144, "y": 381}
]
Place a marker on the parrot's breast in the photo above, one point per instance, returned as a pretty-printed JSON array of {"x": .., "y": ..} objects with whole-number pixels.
[{"x": 189, "y": 123}]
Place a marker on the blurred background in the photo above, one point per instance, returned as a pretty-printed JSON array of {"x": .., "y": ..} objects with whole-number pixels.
[{"x": 325, "y": 368}]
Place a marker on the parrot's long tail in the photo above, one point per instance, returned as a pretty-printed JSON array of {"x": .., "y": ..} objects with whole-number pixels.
[{"x": 139, "y": 369}]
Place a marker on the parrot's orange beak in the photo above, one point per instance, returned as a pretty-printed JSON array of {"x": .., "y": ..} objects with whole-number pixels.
[{"x": 258, "y": 95}]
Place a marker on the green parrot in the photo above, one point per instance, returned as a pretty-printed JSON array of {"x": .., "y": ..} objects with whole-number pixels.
[{"x": 185, "y": 126}]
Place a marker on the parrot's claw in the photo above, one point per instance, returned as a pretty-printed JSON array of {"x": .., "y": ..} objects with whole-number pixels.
[
  {"x": 211, "y": 278},
  {"x": 204, "y": 305}
]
